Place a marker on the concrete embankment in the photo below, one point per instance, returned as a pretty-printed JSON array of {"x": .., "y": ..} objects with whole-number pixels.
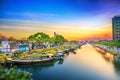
[{"x": 113, "y": 50}]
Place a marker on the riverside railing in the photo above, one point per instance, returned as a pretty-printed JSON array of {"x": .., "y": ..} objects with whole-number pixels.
[{"x": 112, "y": 49}]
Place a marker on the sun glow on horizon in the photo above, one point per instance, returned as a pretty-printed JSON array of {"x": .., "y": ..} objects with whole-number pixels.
[
  {"x": 69, "y": 32},
  {"x": 74, "y": 19}
]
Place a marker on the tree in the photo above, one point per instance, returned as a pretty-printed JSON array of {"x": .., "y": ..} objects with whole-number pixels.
[
  {"x": 31, "y": 38},
  {"x": 42, "y": 37},
  {"x": 11, "y": 39},
  {"x": 59, "y": 38},
  {"x": 52, "y": 40},
  {"x": 39, "y": 37}
]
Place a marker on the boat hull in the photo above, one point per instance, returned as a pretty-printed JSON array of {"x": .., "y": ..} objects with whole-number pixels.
[{"x": 29, "y": 61}]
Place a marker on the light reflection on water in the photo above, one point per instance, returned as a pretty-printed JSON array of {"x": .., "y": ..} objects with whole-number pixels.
[
  {"x": 86, "y": 64},
  {"x": 89, "y": 57}
]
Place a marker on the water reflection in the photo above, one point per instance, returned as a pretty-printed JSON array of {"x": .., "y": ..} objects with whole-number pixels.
[
  {"x": 108, "y": 56},
  {"x": 88, "y": 56},
  {"x": 84, "y": 64},
  {"x": 60, "y": 61}
]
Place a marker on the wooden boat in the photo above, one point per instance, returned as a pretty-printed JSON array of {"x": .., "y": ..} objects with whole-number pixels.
[
  {"x": 28, "y": 61},
  {"x": 66, "y": 50},
  {"x": 100, "y": 50},
  {"x": 58, "y": 58}
]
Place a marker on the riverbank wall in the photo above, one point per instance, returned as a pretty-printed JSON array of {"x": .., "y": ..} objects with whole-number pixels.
[{"x": 113, "y": 50}]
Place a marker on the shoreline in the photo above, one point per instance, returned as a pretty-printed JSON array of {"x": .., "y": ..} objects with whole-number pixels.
[{"x": 104, "y": 49}]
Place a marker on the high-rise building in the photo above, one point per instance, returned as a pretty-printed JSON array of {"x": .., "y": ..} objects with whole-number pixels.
[{"x": 116, "y": 27}]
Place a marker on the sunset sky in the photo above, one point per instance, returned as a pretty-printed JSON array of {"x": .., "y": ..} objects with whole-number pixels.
[{"x": 74, "y": 19}]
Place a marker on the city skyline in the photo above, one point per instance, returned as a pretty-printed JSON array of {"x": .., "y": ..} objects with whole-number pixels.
[{"x": 74, "y": 19}]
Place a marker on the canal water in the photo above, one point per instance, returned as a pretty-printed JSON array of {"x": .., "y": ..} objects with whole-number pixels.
[{"x": 83, "y": 64}]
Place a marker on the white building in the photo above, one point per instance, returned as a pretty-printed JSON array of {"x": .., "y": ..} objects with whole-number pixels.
[{"x": 5, "y": 47}]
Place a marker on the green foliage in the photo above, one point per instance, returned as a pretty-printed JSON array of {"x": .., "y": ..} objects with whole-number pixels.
[
  {"x": 51, "y": 51},
  {"x": 11, "y": 42},
  {"x": 15, "y": 56},
  {"x": 42, "y": 37},
  {"x": 0, "y": 44},
  {"x": 34, "y": 55},
  {"x": 52, "y": 40},
  {"x": 110, "y": 43},
  {"x": 37, "y": 51},
  {"x": 59, "y": 38},
  {"x": 2, "y": 58},
  {"x": 31, "y": 38},
  {"x": 12, "y": 74},
  {"x": 118, "y": 56},
  {"x": 39, "y": 37}
]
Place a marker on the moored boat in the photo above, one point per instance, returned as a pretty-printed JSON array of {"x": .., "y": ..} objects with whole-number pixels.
[
  {"x": 58, "y": 58},
  {"x": 28, "y": 61},
  {"x": 100, "y": 50}
]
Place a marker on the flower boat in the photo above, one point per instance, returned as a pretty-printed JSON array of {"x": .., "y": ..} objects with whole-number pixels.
[{"x": 29, "y": 61}]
